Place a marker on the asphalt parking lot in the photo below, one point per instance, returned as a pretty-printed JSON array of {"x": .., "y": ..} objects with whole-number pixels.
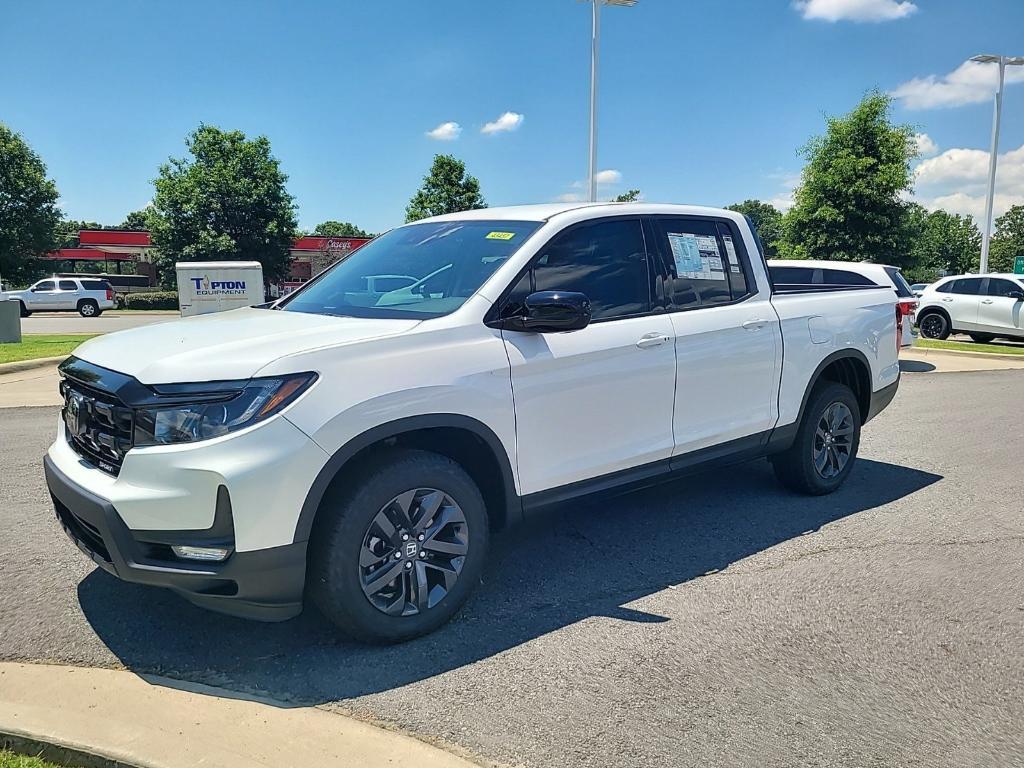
[
  {"x": 717, "y": 620},
  {"x": 108, "y": 322}
]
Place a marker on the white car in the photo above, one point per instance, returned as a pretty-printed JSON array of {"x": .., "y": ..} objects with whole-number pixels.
[
  {"x": 846, "y": 274},
  {"x": 361, "y": 456},
  {"x": 89, "y": 297},
  {"x": 982, "y": 306},
  {"x": 918, "y": 288}
]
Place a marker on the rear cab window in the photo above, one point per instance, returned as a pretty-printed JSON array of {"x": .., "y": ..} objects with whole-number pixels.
[
  {"x": 95, "y": 285},
  {"x": 68, "y": 285}
]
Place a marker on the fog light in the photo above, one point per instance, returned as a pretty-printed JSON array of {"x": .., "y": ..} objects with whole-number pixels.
[{"x": 208, "y": 554}]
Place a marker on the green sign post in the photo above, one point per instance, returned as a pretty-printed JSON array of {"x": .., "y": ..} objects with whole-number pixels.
[{"x": 1018, "y": 265}]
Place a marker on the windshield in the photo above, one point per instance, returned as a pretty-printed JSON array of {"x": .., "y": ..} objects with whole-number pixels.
[{"x": 417, "y": 271}]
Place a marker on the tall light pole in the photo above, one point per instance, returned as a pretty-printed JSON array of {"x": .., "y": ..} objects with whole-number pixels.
[
  {"x": 594, "y": 51},
  {"x": 1003, "y": 62}
]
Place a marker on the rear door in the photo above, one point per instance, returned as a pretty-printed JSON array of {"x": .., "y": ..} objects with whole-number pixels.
[
  {"x": 727, "y": 334},
  {"x": 67, "y": 294},
  {"x": 598, "y": 400},
  {"x": 961, "y": 298},
  {"x": 998, "y": 311}
]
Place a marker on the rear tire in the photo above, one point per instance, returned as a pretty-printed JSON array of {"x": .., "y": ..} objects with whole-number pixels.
[
  {"x": 369, "y": 530},
  {"x": 24, "y": 309},
  {"x": 934, "y": 325},
  {"x": 88, "y": 308},
  {"x": 981, "y": 338},
  {"x": 826, "y": 443}
]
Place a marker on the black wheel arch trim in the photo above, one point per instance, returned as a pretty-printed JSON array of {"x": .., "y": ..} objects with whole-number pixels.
[
  {"x": 396, "y": 428},
  {"x": 842, "y": 354}
]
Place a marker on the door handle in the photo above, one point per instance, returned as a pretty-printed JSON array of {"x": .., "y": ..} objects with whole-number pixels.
[
  {"x": 652, "y": 340},
  {"x": 947, "y": 299},
  {"x": 986, "y": 301},
  {"x": 755, "y": 325}
]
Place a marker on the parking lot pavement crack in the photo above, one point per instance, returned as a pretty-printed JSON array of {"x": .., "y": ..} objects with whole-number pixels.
[{"x": 800, "y": 556}]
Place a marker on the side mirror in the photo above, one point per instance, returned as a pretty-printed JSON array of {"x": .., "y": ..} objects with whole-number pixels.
[
  {"x": 33, "y": 289},
  {"x": 1016, "y": 295},
  {"x": 553, "y": 311}
]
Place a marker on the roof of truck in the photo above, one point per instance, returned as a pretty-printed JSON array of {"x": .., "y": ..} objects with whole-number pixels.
[{"x": 547, "y": 211}]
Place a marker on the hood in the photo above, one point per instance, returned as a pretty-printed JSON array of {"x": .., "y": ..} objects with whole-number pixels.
[{"x": 226, "y": 345}]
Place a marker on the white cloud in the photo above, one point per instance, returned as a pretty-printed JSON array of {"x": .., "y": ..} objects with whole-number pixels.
[
  {"x": 449, "y": 131},
  {"x": 956, "y": 181},
  {"x": 926, "y": 146},
  {"x": 509, "y": 121},
  {"x": 569, "y": 197},
  {"x": 970, "y": 83},
  {"x": 609, "y": 176},
  {"x": 855, "y": 10}
]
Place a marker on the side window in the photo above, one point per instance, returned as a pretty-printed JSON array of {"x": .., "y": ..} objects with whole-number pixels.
[
  {"x": 792, "y": 275},
  {"x": 969, "y": 286},
  {"x": 68, "y": 285},
  {"x": 946, "y": 287},
  {"x": 705, "y": 264},
  {"x": 46, "y": 285},
  {"x": 844, "y": 277},
  {"x": 605, "y": 260},
  {"x": 999, "y": 287}
]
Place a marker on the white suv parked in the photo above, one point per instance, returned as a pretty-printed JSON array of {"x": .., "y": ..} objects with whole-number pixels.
[
  {"x": 89, "y": 297},
  {"x": 982, "y": 306},
  {"x": 358, "y": 449}
]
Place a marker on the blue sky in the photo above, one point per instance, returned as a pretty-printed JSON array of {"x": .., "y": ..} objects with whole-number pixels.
[{"x": 702, "y": 101}]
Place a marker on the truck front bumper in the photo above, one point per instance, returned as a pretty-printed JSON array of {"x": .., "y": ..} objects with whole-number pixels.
[{"x": 263, "y": 584}]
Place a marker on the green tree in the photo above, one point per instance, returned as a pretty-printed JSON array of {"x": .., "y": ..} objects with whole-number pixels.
[
  {"x": 1007, "y": 241},
  {"x": 137, "y": 221},
  {"x": 938, "y": 242},
  {"x": 630, "y": 196},
  {"x": 339, "y": 229},
  {"x": 848, "y": 205},
  {"x": 28, "y": 208},
  {"x": 768, "y": 220},
  {"x": 446, "y": 189},
  {"x": 227, "y": 202}
]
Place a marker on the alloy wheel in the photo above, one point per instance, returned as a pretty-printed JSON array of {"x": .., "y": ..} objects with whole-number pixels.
[
  {"x": 932, "y": 326},
  {"x": 413, "y": 552},
  {"x": 833, "y": 440}
]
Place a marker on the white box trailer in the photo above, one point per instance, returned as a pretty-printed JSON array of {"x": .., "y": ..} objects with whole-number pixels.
[{"x": 216, "y": 286}]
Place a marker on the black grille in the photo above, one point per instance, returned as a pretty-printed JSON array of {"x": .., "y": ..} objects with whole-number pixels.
[{"x": 98, "y": 426}]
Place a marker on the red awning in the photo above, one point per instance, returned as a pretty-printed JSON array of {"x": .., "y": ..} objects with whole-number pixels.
[{"x": 114, "y": 237}]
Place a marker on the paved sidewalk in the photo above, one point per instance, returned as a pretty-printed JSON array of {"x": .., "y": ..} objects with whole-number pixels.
[
  {"x": 157, "y": 723},
  {"x": 33, "y": 387}
]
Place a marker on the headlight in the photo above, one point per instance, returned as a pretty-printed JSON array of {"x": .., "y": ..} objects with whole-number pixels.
[{"x": 216, "y": 410}]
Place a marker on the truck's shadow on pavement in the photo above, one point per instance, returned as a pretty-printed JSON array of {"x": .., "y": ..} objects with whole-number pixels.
[{"x": 585, "y": 561}]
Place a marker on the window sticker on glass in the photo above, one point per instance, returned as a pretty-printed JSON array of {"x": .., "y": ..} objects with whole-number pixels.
[
  {"x": 708, "y": 263},
  {"x": 685, "y": 252},
  {"x": 730, "y": 249},
  {"x": 500, "y": 235}
]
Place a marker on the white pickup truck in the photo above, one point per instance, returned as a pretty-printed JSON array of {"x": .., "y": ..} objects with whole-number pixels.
[{"x": 360, "y": 453}]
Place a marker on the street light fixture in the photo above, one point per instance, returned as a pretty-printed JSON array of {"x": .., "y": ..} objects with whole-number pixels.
[
  {"x": 1003, "y": 62},
  {"x": 595, "y": 45}
]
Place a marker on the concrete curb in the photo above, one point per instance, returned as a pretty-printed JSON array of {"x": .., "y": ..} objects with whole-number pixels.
[
  {"x": 118, "y": 719},
  {"x": 964, "y": 353},
  {"x": 61, "y": 754},
  {"x": 30, "y": 365}
]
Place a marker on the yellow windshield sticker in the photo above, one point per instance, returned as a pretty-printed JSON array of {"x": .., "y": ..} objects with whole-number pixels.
[{"x": 500, "y": 235}]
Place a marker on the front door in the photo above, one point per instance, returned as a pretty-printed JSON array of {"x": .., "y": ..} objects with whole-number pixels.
[
  {"x": 998, "y": 311},
  {"x": 727, "y": 334},
  {"x": 43, "y": 296},
  {"x": 960, "y": 298},
  {"x": 598, "y": 400}
]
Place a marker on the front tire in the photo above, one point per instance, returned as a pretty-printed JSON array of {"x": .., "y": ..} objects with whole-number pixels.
[
  {"x": 88, "y": 308},
  {"x": 934, "y": 325},
  {"x": 825, "y": 448},
  {"x": 396, "y": 554},
  {"x": 24, "y": 309}
]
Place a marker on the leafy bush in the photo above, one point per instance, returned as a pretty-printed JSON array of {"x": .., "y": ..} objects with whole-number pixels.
[{"x": 154, "y": 300}]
